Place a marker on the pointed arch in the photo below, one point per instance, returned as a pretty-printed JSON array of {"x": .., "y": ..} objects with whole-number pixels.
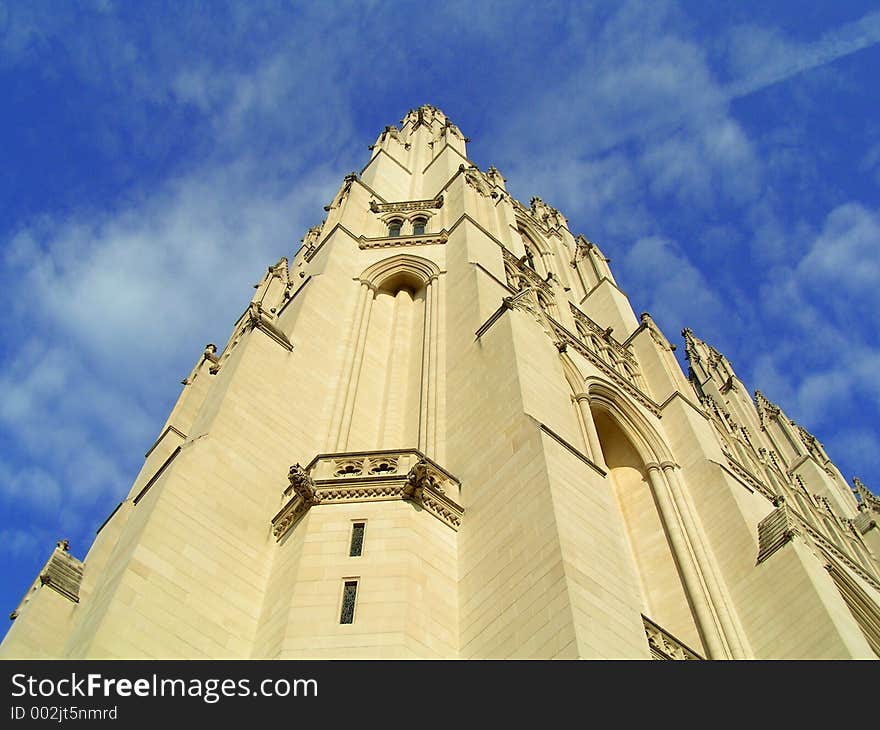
[
  {"x": 604, "y": 396},
  {"x": 399, "y": 271}
]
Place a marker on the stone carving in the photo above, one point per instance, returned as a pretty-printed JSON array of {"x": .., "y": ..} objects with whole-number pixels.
[
  {"x": 867, "y": 500},
  {"x": 343, "y": 192},
  {"x": 656, "y": 335},
  {"x": 545, "y": 214},
  {"x": 495, "y": 177},
  {"x": 302, "y": 484},
  {"x": 390, "y": 132},
  {"x": 417, "y": 480},
  {"x": 384, "y": 466},
  {"x": 665, "y": 646},
  {"x": 405, "y": 206},
  {"x": 310, "y": 241},
  {"x": 475, "y": 179},
  {"x": 349, "y": 468},
  {"x": 367, "y": 477}
]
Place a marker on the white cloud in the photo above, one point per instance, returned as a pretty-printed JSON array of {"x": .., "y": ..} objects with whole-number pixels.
[
  {"x": 764, "y": 56},
  {"x": 679, "y": 296}
]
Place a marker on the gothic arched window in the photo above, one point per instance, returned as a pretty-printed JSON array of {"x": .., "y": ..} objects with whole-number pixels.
[
  {"x": 394, "y": 227},
  {"x": 419, "y": 226}
]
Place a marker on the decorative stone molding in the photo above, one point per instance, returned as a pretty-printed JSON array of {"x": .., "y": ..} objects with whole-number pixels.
[
  {"x": 545, "y": 214},
  {"x": 406, "y": 206},
  {"x": 775, "y": 530},
  {"x": 519, "y": 275},
  {"x": 209, "y": 355},
  {"x": 766, "y": 409},
  {"x": 563, "y": 335},
  {"x": 656, "y": 335},
  {"x": 62, "y": 573},
  {"x": 867, "y": 500},
  {"x": 783, "y": 524},
  {"x": 344, "y": 190},
  {"x": 477, "y": 180},
  {"x": 831, "y": 550},
  {"x": 665, "y": 646},
  {"x": 428, "y": 239},
  {"x": 750, "y": 480},
  {"x": 620, "y": 352},
  {"x": 862, "y": 606},
  {"x": 863, "y": 522},
  {"x": 254, "y": 318},
  {"x": 310, "y": 241},
  {"x": 257, "y": 318},
  {"x": 371, "y": 476}
]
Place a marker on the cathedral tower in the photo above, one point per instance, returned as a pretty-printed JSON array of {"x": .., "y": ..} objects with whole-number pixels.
[{"x": 440, "y": 430}]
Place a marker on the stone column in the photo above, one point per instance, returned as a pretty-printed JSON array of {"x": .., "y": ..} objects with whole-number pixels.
[
  {"x": 704, "y": 560},
  {"x": 593, "y": 444},
  {"x": 687, "y": 566},
  {"x": 426, "y": 404}
]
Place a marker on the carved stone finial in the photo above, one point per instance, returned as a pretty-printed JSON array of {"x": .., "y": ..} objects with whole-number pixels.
[{"x": 63, "y": 545}]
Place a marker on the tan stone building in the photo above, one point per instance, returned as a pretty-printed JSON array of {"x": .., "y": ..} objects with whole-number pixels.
[{"x": 492, "y": 457}]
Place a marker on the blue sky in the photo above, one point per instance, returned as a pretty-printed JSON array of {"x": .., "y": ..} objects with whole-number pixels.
[{"x": 156, "y": 157}]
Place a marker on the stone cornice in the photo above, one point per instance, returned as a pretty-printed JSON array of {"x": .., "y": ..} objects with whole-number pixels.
[
  {"x": 424, "y": 239},
  {"x": 370, "y": 476},
  {"x": 403, "y": 206}
]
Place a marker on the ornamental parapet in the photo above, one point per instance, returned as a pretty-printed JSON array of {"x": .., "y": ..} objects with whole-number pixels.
[
  {"x": 520, "y": 275},
  {"x": 665, "y": 646},
  {"x": 370, "y": 476},
  {"x": 784, "y": 523}
]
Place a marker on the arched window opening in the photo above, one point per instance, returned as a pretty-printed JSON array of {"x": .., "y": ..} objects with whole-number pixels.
[
  {"x": 394, "y": 227},
  {"x": 419, "y": 225}
]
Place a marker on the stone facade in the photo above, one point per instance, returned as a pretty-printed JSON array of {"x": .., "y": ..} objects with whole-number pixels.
[{"x": 440, "y": 430}]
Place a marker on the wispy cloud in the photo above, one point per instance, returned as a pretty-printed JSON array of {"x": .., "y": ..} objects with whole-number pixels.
[{"x": 765, "y": 56}]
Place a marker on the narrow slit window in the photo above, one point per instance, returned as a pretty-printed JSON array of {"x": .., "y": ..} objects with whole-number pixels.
[
  {"x": 349, "y": 595},
  {"x": 356, "y": 549}
]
